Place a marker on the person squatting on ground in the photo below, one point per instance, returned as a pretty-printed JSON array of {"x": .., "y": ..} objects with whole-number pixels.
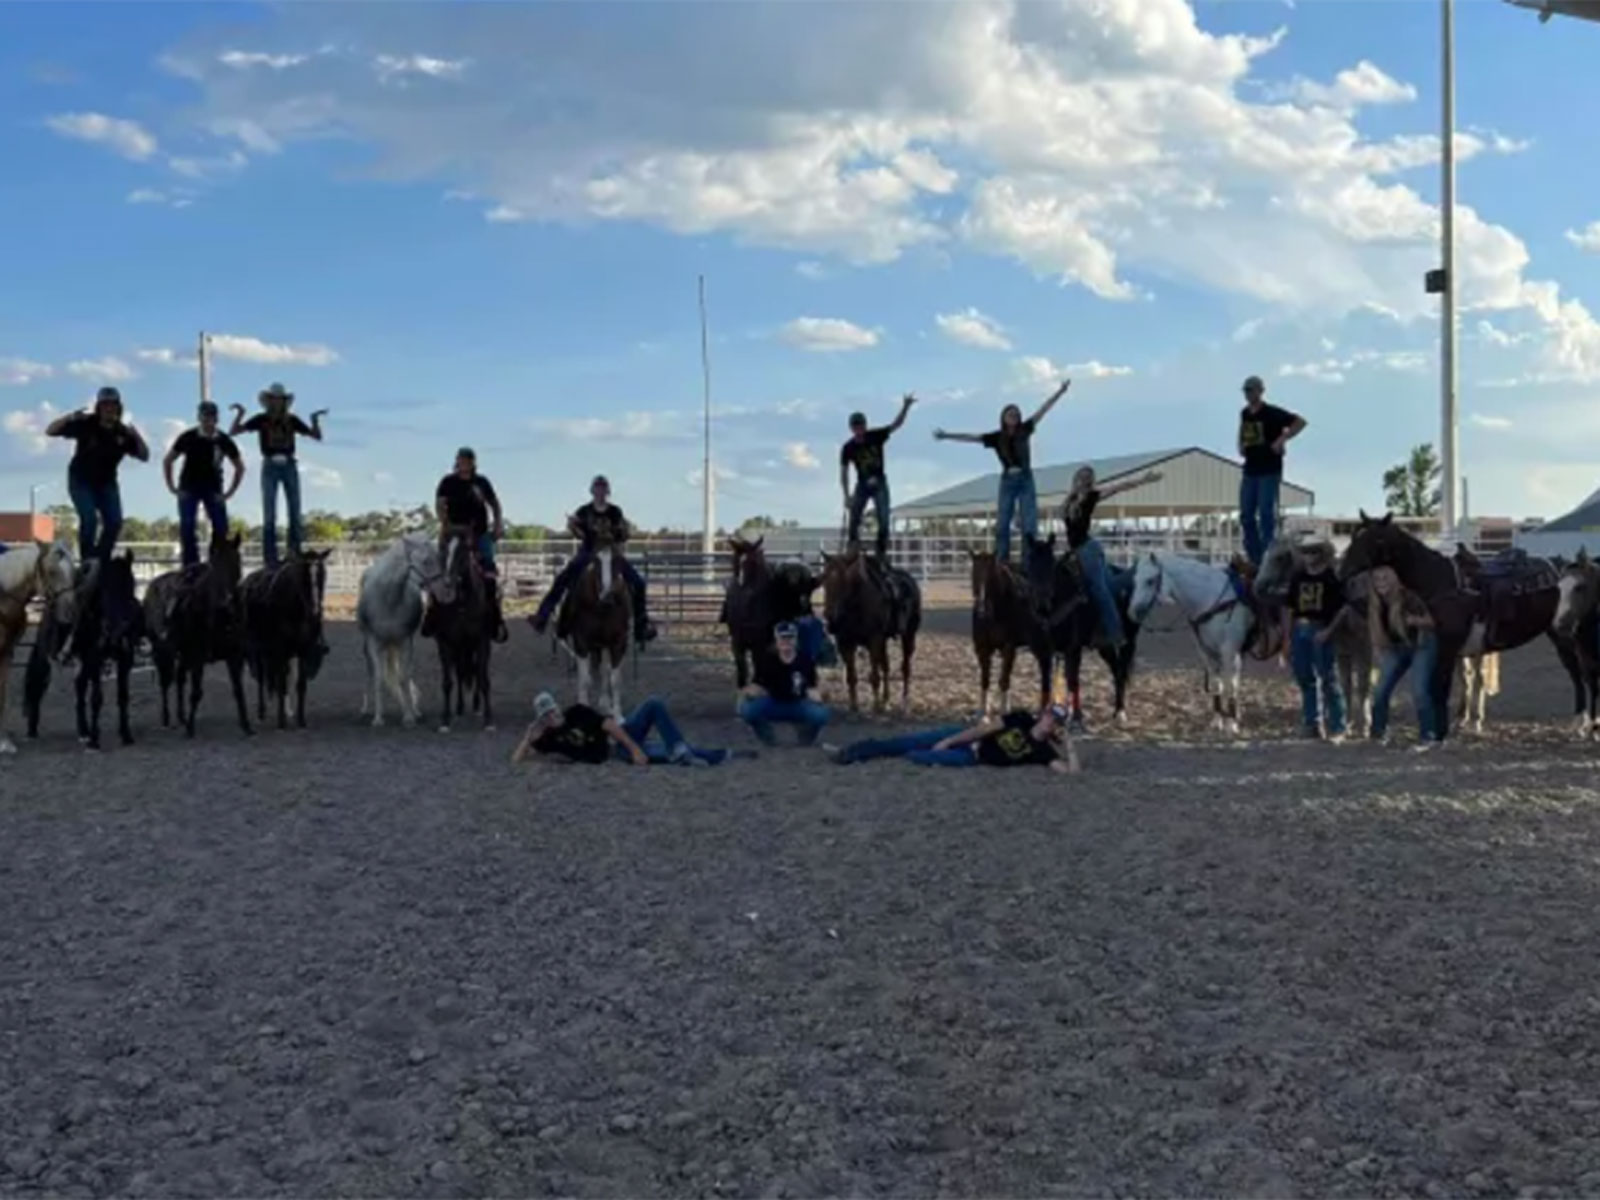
[
  {"x": 277, "y": 428},
  {"x": 1264, "y": 431},
  {"x": 1018, "y": 739},
  {"x": 466, "y": 499},
  {"x": 785, "y": 678},
  {"x": 586, "y": 524},
  {"x": 1077, "y": 514},
  {"x": 1314, "y": 608},
  {"x": 103, "y": 440},
  {"x": 1012, "y": 444},
  {"x": 581, "y": 734},
  {"x": 1403, "y": 639},
  {"x": 864, "y": 451},
  {"x": 203, "y": 450}
]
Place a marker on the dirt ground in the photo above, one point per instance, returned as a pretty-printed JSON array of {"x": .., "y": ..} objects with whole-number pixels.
[{"x": 385, "y": 962}]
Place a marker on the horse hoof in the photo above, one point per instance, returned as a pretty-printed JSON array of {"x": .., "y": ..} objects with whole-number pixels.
[
  {"x": 7, "y": 746},
  {"x": 376, "y": 722},
  {"x": 488, "y": 728},
  {"x": 444, "y": 729},
  {"x": 1120, "y": 716}
]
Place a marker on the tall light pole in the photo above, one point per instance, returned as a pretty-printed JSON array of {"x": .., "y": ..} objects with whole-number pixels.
[
  {"x": 33, "y": 499},
  {"x": 204, "y": 359},
  {"x": 708, "y": 504},
  {"x": 1449, "y": 454}
]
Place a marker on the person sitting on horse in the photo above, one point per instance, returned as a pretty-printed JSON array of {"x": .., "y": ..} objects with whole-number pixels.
[
  {"x": 1313, "y": 610},
  {"x": 785, "y": 678},
  {"x": 1012, "y": 444},
  {"x": 580, "y": 734},
  {"x": 864, "y": 451},
  {"x": 277, "y": 428},
  {"x": 1018, "y": 739},
  {"x": 466, "y": 499},
  {"x": 104, "y": 439},
  {"x": 1077, "y": 514},
  {"x": 598, "y": 517},
  {"x": 1404, "y": 638},
  {"x": 199, "y": 484}
]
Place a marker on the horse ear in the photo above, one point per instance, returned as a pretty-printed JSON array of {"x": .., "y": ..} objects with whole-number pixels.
[
  {"x": 1362, "y": 513},
  {"x": 1582, "y": 558},
  {"x": 1388, "y": 519},
  {"x": 972, "y": 555},
  {"x": 756, "y": 545}
]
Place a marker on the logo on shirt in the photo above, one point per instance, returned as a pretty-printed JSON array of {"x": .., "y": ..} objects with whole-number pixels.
[
  {"x": 1310, "y": 597},
  {"x": 1013, "y": 743},
  {"x": 1250, "y": 434}
]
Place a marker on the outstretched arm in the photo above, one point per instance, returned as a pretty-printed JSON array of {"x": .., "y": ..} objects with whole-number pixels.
[
  {"x": 1050, "y": 400},
  {"x": 1127, "y": 485},
  {"x": 316, "y": 423},
  {"x": 968, "y": 736},
  {"x": 945, "y": 436},
  {"x": 906, "y": 402},
  {"x": 238, "y": 420}
]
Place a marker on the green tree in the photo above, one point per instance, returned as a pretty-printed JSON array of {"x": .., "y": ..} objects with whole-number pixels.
[
  {"x": 324, "y": 526},
  {"x": 1411, "y": 488}
]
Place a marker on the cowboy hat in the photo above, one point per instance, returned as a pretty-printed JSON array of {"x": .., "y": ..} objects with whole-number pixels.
[{"x": 276, "y": 391}]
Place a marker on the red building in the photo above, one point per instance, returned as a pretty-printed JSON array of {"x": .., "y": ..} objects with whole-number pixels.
[{"x": 23, "y": 527}]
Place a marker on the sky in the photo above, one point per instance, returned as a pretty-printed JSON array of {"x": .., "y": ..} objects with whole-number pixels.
[{"x": 454, "y": 223}]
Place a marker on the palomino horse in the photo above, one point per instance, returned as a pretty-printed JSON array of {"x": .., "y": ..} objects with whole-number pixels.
[
  {"x": 193, "y": 617},
  {"x": 283, "y": 627},
  {"x": 1221, "y": 621},
  {"x": 867, "y": 606},
  {"x": 36, "y": 569},
  {"x": 108, "y": 627},
  {"x": 1576, "y": 634},
  {"x": 593, "y": 625},
  {"x": 462, "y": 625},
  {"x": 1064, "y": 608},
  {"x": 389, "y": 613},
  {"x": 757, "y": 599},
  {"x": 1508, "y": 605},
  {"x": 1004, "y": 621}
]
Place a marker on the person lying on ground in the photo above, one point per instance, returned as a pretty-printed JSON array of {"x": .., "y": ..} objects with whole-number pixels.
[
  {"x": 1018, "y": 739},
  {"x": 581, "y": 734},
  {"x": 785, "y": 679}
]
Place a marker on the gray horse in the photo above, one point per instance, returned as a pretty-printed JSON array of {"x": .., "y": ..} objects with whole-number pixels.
[{"x": 389, "y": 613}]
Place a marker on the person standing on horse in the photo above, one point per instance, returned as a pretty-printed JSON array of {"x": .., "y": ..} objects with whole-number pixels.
[
  {"x": 785, "y": 678},
  {"x": 104, "y": 439},
  {"x": 277, "y": 428},
  {"x": 1313, "y": 609},
  {"x": 1077, "y": 514},
  {"x": 1012, "y": 445},
  {"x": 467, "y": 499},
  {"x": 864, "y": 451},
  {"x": 199, "y": 484},
  {"x": 1264, "y": 431},
  {"x": 587, "y": 524}
]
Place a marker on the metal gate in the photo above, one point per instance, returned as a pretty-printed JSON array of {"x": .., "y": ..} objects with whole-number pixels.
[{"x": 685, "y": 594}]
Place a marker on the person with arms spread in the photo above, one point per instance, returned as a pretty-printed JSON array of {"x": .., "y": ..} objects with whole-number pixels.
[
  {"x": 1313, "y": 611},
  {"x": 277, "y": 429},
  {"x": 1077, "y": 514},
  {"x": 580, "y": 734},
  {"x": 785, "y": 678},
  {"x": 1264, "y": 431},
  {"x": 1012, "y": 444},
  {"x": 103, "y": 440},
  {"x": 864, "y": 451},
  {"x": 1018, "y": 739},
  {"x": 203, "y": 450},
  {"x": 466, "y": 499},
  {"x": 586, "y": 525}
]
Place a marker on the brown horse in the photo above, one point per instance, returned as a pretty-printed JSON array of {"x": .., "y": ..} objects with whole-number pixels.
[
  {"x": 757, "y": 599},
  {"x": 194, "y": 617},
  {"x": 867, "y": 605},
  {"x": 283, "y": 626},
  {"x": 1576, "y": 634},
  {"x": 1003, "y": 621},
  {"x": 462, "y": 624},
  {"x": 595, "y": 618}
]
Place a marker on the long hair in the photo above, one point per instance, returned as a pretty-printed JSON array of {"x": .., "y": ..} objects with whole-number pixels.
[
  {"x": 1082, "y": 484},
  {"x": 1385, "y": 612}
]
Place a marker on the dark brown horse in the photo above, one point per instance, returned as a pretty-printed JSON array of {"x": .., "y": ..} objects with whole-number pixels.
[
  {"x": 757, "y": 598},
  {"x": 1508, "y": 605},
  {"x": 283, "y": 626},
  {"x": 866, "y": 606},
  {"x": 1575, "y": 632},
  {"x": 1065, "y": 611},
  {"x": 462, "y": 624},
  {"x": 593, "y": 625},
  {"x": 194, "y": 617},
  {"x": 1004, "y": 621}
]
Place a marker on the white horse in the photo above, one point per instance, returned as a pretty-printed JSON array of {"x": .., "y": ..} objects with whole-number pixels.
[
  {"x": 1220, "y": 620},
  {"x": 28, "y": 571},
  {"x": 389, "y": 613}
]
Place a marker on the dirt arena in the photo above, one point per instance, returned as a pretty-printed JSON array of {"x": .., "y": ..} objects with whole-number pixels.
[{"x": 385, "y": 962}]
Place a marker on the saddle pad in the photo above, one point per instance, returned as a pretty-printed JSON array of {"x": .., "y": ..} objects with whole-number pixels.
[{"x": 1241, "y": 587}]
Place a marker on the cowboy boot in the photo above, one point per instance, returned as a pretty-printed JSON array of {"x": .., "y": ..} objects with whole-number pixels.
[
  {"x": 497, "y": 615},
  {"x": 644, "y": 629}
]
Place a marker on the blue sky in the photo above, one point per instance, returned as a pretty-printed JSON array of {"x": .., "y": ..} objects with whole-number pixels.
[{"x": 455, "y": 223}]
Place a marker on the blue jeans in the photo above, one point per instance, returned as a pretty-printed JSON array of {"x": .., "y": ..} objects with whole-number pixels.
[
  {"x": 1313, "y": 665},
  {"x": 1018, "y": 497},
  {"x": 814, "y": 643},
  {"x": 189, "y": 504},
  {"x": 276, "y": 474},
  {"x": 1420, "y": 660},
  {"x": 1258, "y": 513},
  {"x": 761, "y": 712},
  {"x": 917, "y": 747},
  {"x": 99, "y": 517},
  {"x": 877, "y": 491},
  {"x": 1097, "y": 580},
  {"x": 570, "y": 572},
  {"x": 652, "y": 717}
]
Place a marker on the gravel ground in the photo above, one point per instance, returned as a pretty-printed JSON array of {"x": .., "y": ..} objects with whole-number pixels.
[{"x": 374, "y": 962}]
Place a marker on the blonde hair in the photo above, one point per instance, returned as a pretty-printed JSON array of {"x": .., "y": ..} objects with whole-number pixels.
[{"x": 1379, "y": 606}]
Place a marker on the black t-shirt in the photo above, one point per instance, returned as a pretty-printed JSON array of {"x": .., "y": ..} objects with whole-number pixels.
[
  {"x": 1257, "y": 432},
  {"x": 866, "y": 455},
  {"x": 1014, "y": 449},
  {"x": 591, "y": 520},
  {"x": 581, "y": 736},
  {"x": 466, "y": 501},
  {"x": 1079, "y": 521},
  {"x": 785, "y": 681},
  {"x": 277, "y": 433},
  {"x": 100, "y": 449},
  {"x": 1013, "y": 745},
  {"x": 202, "y": 456},
  {"x": 1316, "y": 596}
]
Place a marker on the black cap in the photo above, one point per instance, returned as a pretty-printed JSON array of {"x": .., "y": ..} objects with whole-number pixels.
[
  {"x": 208, "y": 408},
  {"x": 599, "y": 481},
  {"x": 467, "y": 453},
  {"x": 858, "y": 418},
  {"x": 108, "y": 395}
]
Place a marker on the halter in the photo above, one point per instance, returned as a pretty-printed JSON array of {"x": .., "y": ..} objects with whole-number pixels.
[{"x": 1225, "y": 602}]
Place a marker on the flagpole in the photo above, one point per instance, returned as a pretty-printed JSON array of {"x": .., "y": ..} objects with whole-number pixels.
[
  {"x": 204, "y": 361},
  {"x": 1449, "y": 431},
  {"x": 708, "y": 535}
]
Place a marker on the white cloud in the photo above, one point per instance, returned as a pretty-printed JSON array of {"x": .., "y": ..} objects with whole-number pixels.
[
  {"x": 15, "y": 372},
  {"x": 101, "y": 370},
  {"x": 1484, "y": 421},
  {"x": 799, "y": 456},
  {"x": 504, "y": 214},
  {"x": 127, "y": 138},
  {"x": 250, "y": 349},
  {"x": 392, "y": 68},
  {"x": 1096, "y": 369},
  {"x": 1587, "y": 238},
  {"x": 1495, "y": 336},
  {"x": 827, "y": 335},
  {"x": 166, "y": 358},
  {"x": 245, "y": 60},
  {"x": 630, "y": 427},
  {"x": 382, "y": 477},
  {"x": 972, "y": 328},
  {"x": 210, "y": 168},
  {"x": 1360, "y": 85},
  {"x": 1035, "y": 370},
  {"x": 324, "y": 479},
  {"x": 1335, "y": 369},
  {"x": 1249, "y": 329},
  {"x": 170, "y": 198},
  {"x": 810, "y": 270},
  {"x": 27, "y": 426}
]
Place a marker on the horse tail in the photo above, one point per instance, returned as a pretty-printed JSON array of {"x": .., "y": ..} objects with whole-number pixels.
[
  {"x": 391, "y": 671},
  {"x": 1489, "y": 673}
]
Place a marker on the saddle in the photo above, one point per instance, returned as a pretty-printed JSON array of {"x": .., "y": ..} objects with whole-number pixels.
[
  {"x": 1242, "y": 578},
  {"x": 893, "y": 586},
  {"x": 1498, "y": 583}
]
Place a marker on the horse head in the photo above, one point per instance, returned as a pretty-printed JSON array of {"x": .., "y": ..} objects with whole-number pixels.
[
  {"x": 1277, "y": 565},
  {"x": 226, "y": 562},
  {"x": 1579, "y": 589},
  {"x": 749, "y": 560},
  {"x": 55, "y": 578},
  {"x": 1041, "y": 570},
  {"x": 1149, "y": 583},
  {"x": 842, "y": 575},
  {"x": 313, "y": 581},
  {"x": 120, "y": 613},
  {"x": 1375, "y": 544}
]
